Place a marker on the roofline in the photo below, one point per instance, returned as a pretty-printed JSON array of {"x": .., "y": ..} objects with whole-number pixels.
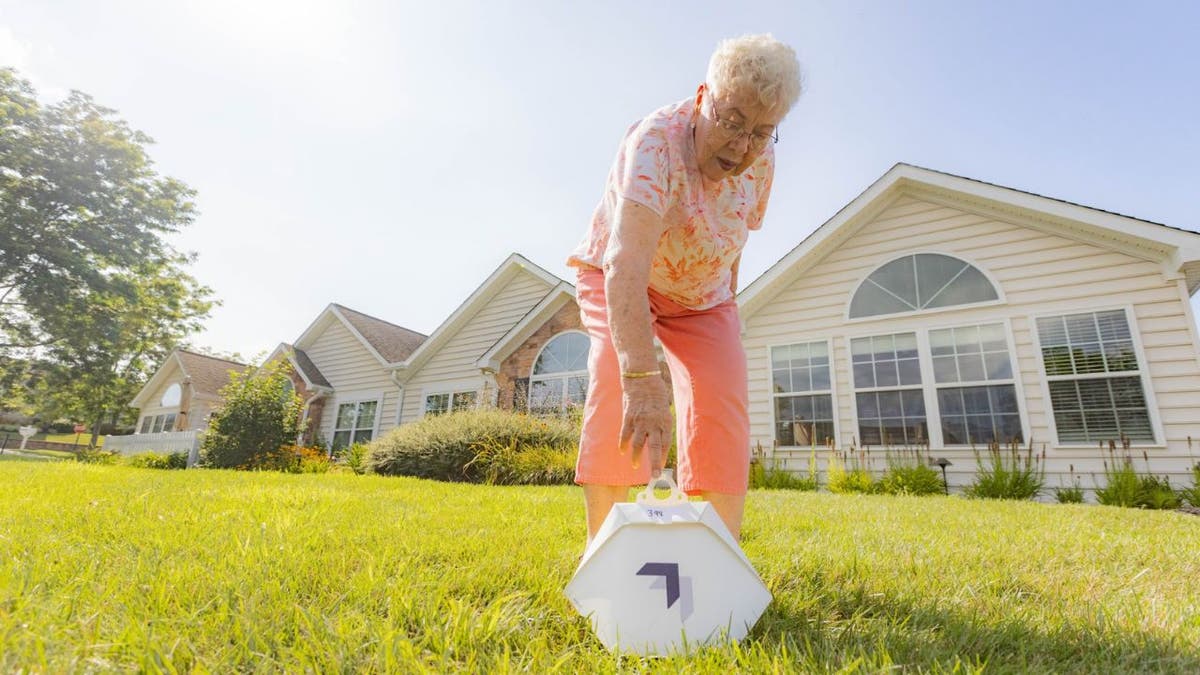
[
  {"x": 515, "y": 262},
  {"x": 332, "y": 309},
  {"x": 1176, "y": 247},
  {"x": 289, "y": 352},
  {"x": 552, "y": 302},
  {"x": 156, "y": 377}
]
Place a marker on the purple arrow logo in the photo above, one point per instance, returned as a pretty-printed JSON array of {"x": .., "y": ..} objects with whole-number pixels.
[{"x": 670, "y": 574}]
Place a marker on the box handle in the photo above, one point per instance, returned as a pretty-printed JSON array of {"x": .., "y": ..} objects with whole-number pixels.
[{"x": 665, "y": 479}]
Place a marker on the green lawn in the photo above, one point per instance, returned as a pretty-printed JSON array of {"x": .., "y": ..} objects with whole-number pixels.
[{"x": 117, "y": 568}]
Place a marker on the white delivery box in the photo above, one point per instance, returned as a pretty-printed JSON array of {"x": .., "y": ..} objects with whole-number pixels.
[{"x": 663, "y": 575}]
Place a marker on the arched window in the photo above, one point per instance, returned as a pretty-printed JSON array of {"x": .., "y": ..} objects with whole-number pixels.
[
  {"x": 172, "y": 396},
  {"x": 920, "y": 281},
  {"x": 559, "y": 378}
]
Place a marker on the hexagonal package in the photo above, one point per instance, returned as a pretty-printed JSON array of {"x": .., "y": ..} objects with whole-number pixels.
[{"x": 664, "y": 573}]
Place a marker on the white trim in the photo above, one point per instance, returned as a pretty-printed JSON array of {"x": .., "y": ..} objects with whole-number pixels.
[
  {"x": 833, "y": 393},
  {"x": 1160, "y": 441},
  {"x": 1001, "y": 299},
  {"x": 321, "y": 323},
  {"x": 513, "y": 265},
  {"x": 357, "y": 397},
  {"x": 1081, "y": 223},
  {"x": 452, "y": 387},
  {"x": 929, "y": 384},
  {"x": 553, "y": 301},
  {"x": 156, "y": 379},
  {"x": 563, "y": 375},
  {"x": 1190, "y": 317}
]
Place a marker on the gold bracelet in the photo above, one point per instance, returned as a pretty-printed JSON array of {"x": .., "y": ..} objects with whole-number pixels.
[{"x": 647, "y": 373}]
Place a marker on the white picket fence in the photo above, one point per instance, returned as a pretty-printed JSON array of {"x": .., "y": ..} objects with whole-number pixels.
[{"x": 165, "y": 442}]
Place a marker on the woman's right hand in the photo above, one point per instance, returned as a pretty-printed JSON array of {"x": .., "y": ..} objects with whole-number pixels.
[{"x": 646, "y": 421}]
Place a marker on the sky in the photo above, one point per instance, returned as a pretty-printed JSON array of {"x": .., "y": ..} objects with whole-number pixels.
[{"x": 388, "y": 156}]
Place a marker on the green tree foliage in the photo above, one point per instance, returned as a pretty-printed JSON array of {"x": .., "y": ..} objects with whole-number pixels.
[
  {"x": 261, "y": 414},
  {"x": 90, "y": 289}
]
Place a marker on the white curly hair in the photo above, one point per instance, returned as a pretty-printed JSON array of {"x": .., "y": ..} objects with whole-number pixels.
[{"x": 756, "y": 63}]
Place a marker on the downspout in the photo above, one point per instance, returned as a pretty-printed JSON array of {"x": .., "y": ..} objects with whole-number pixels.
[
  {"x": 400, "y": 400},
  {"x": 304, "y": 414}
]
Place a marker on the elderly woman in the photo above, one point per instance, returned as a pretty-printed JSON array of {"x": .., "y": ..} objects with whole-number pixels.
[{"x": 660, "y": 259}]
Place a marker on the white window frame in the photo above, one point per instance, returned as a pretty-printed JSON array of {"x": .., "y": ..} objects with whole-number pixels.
[
  {"x": 929, "y": 386},
  {"x": 1014, "y": 380},
  {"x": 1000, "y": 297},
  {"x": 364, "y": 397},
  {"x": 451, "y": 388},
  {"x": 563, "y": 376},
  {"x": 832, "y": 391},
  {"x": 1143, "y": 372}
]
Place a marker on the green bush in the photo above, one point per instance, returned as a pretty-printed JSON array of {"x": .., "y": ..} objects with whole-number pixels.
[
  {"x": 766, "y": 474},
  {"x": 158, "y": 460},
  {"x": 848, "y": 472},
  {"x": 915, "y": 479},
  {"x": 1009, "y": 474},
  {"x": 1069, "y": 495},
  {"x": 355, "y": 457},
  {"x": 96, "y": 456},
  {"x": 447, "y": 447},
  {"x": 512, "y": 464},
  {"x": 1192, "y": 494},
  {"x": 1124, "y": 486},
  {"x": 260, "y": 415}
]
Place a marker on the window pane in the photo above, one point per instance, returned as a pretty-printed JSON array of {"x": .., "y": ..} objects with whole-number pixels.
[
  {"x": 340, "y": 439},
  {"x": 1087, "y": 357},
  {"x": 803, "y": 420},
  {"x": 435, "y": 404},
  {"x": 912, "y": 402},
  {"x": 998, "y": 366},
  {"x": 345, "y": 416},
  {"x": 1112, "y": 326},
  {"x": 970, "y": 286},
  {"x": 885, "y": 374},
  {"x": 158, "y": 424},
  {"x": 169, "y": 422},
  {"x": 463, "y": 400},
  {"x": 1082, "y": 328},
  {"x": 864, "y": 375},
  {"x": 1052, "y": 331},
  {"x": 992, "y": 338},
  {"x": 889, "y": 404},
  {"x": 366, "y": 414},
  {"x": 779, "y": 357},
  {"x": 945, "y": 369},
  {"x": 147, "y": 422},
  {"x": 577, "y": 389},
  {"x": 1097, "y": 410},
  {"x": 941, "y": 342},
  {"x": 979, "y": 415},
  {"x": 566, "y": 353},
  {"x": 362, "y": 436},
  {"x": 899, "y": 278},
  {"x": 1058, "y": 360},
  {"x": 906, "y": 345},
  {"x": 820, "y": 378},
  {"x": 545, "y": 396},
  {"x": 1094, "y": 343},
  {"x": 860, "y": 350},
  {"x": 934, "y": 272},
  {"x": 970, "y": 368},
  {"x": 781, "y": 379},
  {"x": 1120, "y": 356},
  {"x": 801, "y": 379}
]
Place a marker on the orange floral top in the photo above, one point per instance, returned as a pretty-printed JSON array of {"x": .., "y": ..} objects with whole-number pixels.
[{"x": 705, "y": 230}]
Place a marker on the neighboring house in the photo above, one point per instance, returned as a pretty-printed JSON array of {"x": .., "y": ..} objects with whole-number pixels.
[
  {"x": 341, "y": 368},
  {"x": 942, "y": 311},
  {"x": 182, "y": 393}
]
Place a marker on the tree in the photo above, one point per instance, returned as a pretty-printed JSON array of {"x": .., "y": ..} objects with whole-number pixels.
[
  {"x": 260, "y": 415},
  {"x": 90, "y": 289}
]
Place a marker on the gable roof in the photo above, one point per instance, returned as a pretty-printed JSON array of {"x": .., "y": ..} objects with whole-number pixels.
[
  {"x": 513, "y": 265},
  {"x": 207, "y": 374},
  {"x": 386, "y": 341},
  {"x": 1176, "y": 249},
  {"x": 561, "y": 294},
  {"x": 304, "y": 366}
]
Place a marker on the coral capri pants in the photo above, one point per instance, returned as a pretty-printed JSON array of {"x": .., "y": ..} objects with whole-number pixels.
[{"x": 708, "y": 375}]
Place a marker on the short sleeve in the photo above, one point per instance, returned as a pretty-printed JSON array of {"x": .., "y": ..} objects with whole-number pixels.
[
  {"x": 642, "y": 173},
  {"x": 763, "y": 172}
]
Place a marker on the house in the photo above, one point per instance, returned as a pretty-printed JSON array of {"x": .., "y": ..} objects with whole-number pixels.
[
  {"x": 940, "y": 311},
  {"x": 515, "y": 343},
  {"x": 182, "y": 393}
]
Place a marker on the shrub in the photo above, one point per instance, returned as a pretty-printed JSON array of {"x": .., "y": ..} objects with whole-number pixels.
[
  {"x": 445, "y": 447},
  {"x": 292, "y": 459},
  {"x": 847, "y": 472},
  {"x": 92, "y": 455},
  {"x": 909, "y": 473},
  {"x": 1009, "y": 474},
  {"x": 260, "y": 415},
  {"x": 511, "y": 464},
  {"x": 1124, "y": 486},
  {"x": 158, "y": 460},
  {"x": 1069, "y": 495},
  {"x": 765, "y": 474},
  {"x": 355, "y": 457},
  {"x": 1192, "y": 494}
]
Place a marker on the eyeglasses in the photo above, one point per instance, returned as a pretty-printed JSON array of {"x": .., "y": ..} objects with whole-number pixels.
[{"x": 730, "y": 130}]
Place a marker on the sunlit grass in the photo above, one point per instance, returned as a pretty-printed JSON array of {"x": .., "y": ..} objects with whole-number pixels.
[{"x": 108, "y": 567}]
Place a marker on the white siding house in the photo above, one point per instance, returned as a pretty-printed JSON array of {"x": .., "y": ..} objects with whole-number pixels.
[{"x": 941, "y": 311}]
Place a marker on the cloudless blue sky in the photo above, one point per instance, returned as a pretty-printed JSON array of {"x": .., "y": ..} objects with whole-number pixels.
[{"x": 389, "y": 155}]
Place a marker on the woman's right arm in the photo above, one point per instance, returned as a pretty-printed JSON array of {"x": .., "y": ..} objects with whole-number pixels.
[{"x": 646, "y": 421}]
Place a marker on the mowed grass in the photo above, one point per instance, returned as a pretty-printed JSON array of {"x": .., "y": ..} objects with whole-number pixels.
[{"x": 108, "y": 567}]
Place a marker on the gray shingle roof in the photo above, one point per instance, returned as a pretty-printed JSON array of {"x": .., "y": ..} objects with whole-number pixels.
[
  {"x": 394, "y": 343},
  {"x": 310, "y": 369},
  {"x": 208, "y": 373}
]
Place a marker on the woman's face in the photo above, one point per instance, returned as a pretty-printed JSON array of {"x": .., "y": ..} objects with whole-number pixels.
[{"x": 732, "y": 130}]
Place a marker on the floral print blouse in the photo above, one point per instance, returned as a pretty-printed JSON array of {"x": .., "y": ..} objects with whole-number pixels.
[{"x": 705, "y": 230}]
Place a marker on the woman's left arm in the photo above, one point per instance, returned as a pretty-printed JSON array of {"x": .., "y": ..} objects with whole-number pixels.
[{"x": 733, "y": 275}]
